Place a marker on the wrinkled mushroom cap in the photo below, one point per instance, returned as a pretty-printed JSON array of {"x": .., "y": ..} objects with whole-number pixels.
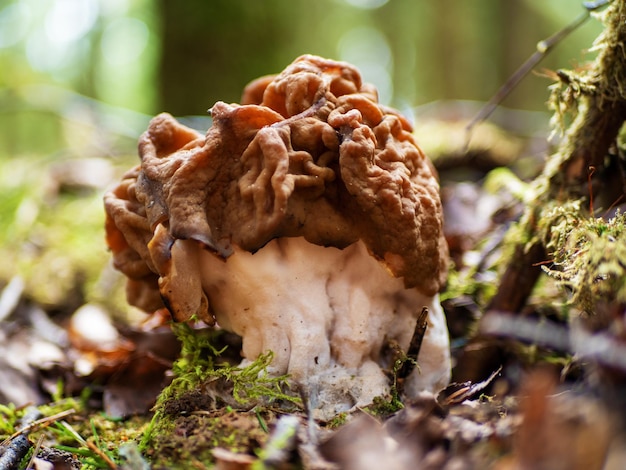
[{"x": 309, "y": 153}]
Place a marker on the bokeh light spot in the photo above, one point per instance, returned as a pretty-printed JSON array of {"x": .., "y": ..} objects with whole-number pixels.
[
  {"x": 124, "y": 40},
  {"x": 369, "y": 50},
  {"x": 14, "y": 24}
]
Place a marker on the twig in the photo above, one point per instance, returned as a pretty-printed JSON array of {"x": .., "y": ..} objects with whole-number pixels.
[
  {"x": 601, "y": 347},
  {"x": 543, "y": 48},
  {"x": 458, "y": 393},
  {"x": 415, "y": 345},
  {"x": 15, "y": 452},
  {"x": 38, "y": 424},
  {"x": 100, "y": 453},
  {"x": 10, "y": 297},
  {"x": 35, "y": 452},
  {"x": 18, "y": 444},
  {"x": 90, "y": 445}
]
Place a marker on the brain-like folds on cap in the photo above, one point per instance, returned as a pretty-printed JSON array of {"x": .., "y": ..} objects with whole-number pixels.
[{"x": 308, "y": 153}]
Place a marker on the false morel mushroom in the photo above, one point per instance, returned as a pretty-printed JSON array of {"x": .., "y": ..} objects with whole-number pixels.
[{"x": 306, "y": 220}]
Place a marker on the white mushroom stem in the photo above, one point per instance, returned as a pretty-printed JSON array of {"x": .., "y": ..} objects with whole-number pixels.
[{"x": 325, "y": 314}]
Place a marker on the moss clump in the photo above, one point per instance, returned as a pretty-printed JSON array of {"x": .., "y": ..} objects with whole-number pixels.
[
  {"x": 206, "y": 399},
  {"x": 384, "y": 407},
  {"x": 589, "y": 256},
  {"x": 201, "y": 368},
  {"x": 338, "y": 421},
  {"x": 8, "y": 420}
]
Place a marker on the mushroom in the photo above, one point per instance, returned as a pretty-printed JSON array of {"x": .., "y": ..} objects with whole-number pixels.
[{"x": 306, "y": 220}]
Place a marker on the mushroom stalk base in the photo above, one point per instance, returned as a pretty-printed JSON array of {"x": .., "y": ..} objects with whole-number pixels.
[{"x": 325, "y": 313}]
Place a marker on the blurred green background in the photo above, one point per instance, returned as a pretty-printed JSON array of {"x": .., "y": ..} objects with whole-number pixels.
[
  {"x": 79, "y": 80},
  {"x": 139, "y": 57}
]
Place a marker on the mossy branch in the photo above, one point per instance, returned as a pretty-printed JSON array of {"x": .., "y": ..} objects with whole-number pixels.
[{"x": 596, "y": 100}]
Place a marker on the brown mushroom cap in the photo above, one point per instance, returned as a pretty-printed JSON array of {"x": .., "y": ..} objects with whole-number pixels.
[{"x": 310, "y": 153}]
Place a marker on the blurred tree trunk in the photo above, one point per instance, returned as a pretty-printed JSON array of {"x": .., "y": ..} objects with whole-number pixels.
[
  {"x": 449, "y": 31},
  {"x": 212, "y": 49},
  {"x": 206, "y": 52}
]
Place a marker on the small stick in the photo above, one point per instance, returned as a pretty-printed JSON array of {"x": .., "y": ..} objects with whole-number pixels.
[
  {"x": 40, "y": 423},
  {"x": 91, "y": 446},
  {"x": 416, "y": 344},
  {"x": 467, "y": 390},
  {"x": 543, "y": 47},
  {"x": 15, "y": 452},
  {"x": 16, "y": 447},
  {"x": 592, "y": 170},
  {"x": 96, "y": 450},
  {"x": 35, "y": 452}
]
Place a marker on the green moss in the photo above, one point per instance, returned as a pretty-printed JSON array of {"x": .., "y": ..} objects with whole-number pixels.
[
  {"x": 200, "y": 365},
  {"x": 469, "y": 282},
  {"x": 589, "y": 255},
  {"x": 400, "y": 366},
  {"x": 384, "y": 407},
  {"x": 71, "y": 432},
  {"x": 337, "y": 421},
  {"x": 8, "y": 420},
  {"x": 210, "y": 398}
]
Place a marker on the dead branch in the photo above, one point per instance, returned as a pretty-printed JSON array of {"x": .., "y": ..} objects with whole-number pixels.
[{"x": 16, "y": 447}]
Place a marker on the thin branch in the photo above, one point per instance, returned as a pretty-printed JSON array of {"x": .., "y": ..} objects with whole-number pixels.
[
  {"x": 35, "y": 452},
  {"x": 96, "y": 450},
  {"x": 38, "y": 424},
  {"x": 543, "y": 48}
]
